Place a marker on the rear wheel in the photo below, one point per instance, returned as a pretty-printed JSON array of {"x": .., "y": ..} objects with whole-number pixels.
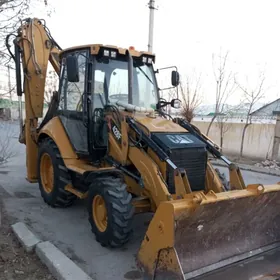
[
  {"x": 53, "y": 176},
  {"x": 110, "y": 211}
]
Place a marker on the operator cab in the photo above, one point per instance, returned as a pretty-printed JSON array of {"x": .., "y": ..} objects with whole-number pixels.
[{"x": 95, "y": 76}]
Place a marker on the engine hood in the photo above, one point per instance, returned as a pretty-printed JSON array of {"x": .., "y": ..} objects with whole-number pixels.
[{"x": 158, "y": 124}]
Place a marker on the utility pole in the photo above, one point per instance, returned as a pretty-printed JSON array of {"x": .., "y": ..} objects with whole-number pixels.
[
  {"x": 151, "y": 25},
  {"x": 152, "y": 8}
]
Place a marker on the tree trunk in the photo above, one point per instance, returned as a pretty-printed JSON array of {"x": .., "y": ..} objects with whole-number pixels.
[
  {"x": 210, "y": 124},
  {"x": 221, "y": 136},
  {"x": 242, "y": 138}
]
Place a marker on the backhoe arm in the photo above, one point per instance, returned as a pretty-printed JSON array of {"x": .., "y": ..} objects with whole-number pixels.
[{"x": 34, "y": 48}]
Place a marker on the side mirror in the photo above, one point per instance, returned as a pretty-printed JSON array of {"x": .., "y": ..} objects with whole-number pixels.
[
  {"x": 72, "y": 69},
  {"x": 176, "y": 103},
  {"x": 175, "y": 78}
]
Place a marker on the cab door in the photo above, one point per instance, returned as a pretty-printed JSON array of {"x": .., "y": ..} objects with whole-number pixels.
[{"x": 72, "y": 109}]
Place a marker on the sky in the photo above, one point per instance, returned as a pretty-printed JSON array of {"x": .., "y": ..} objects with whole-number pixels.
[{"x": 186, "y": 34}]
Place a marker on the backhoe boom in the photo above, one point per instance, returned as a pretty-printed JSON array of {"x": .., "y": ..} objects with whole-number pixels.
[{"x": 34, "y": 48}]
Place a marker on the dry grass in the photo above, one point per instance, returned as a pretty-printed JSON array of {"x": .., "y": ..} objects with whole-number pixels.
[
  {"x": 6, "y": 144},
  {"x": 15, "y": 263}
]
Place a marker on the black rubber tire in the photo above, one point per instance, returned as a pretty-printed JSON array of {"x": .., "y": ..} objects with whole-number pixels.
[
  {"x": 58, "y": 197},
  {"x": 119, "y": 211},
  {"x": 223, "y": 179}
]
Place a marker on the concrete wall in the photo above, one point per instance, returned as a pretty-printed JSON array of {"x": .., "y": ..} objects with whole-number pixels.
[{"x": 258, "y": 140}]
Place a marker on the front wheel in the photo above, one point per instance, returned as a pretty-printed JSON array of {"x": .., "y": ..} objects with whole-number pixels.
[{"x": 110, "y": 211}]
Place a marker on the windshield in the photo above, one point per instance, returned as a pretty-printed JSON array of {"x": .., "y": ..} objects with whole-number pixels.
[{"x": 111, "y": 84}]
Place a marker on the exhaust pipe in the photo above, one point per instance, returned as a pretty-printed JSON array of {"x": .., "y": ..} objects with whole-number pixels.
[{"x": 130, "y": 78}]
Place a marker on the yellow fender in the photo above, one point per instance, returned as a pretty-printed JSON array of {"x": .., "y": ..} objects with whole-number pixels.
[{"x": 55, "y": 130}]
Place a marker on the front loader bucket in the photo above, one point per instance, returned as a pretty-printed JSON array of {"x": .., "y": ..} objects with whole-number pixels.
[{"x": 200, "y": 233}]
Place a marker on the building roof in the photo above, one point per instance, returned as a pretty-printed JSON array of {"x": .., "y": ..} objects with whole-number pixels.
[
  {"x": 266, "y": 105},
  {"x": 218, "y": 114},
  {"x": 6, "y": 103}
]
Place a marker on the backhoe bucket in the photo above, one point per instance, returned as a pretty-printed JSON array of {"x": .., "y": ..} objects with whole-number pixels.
[{"x": 200, "y": 233}]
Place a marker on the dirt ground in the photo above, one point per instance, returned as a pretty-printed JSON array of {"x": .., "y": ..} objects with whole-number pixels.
[
  {"x": 15, "y": 264},
  {"x": 244, "y": 160}
]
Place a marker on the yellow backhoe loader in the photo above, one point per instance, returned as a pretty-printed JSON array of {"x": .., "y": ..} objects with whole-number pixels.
[{"x": 107, "y": 138}]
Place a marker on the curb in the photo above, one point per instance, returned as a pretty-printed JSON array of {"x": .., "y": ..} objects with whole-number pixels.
[
  {"x": 250, "y": 168},
  {"x": 59, "y": 265},
  {"x": 26, "y": 238}
]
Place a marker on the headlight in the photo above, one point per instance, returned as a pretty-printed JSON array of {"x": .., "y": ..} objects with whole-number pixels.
[
  {"x": 113, "y": 54},
  {"x": 144, "y": 59},
  {"x": 106, "y": 53}
]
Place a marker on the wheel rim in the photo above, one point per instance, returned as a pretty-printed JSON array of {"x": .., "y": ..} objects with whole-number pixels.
[
  {"x": 46, "y": 173},
  {"x": 99, "y": 212}
]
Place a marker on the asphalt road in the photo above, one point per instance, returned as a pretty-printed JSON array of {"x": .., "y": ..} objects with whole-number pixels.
[{"x": 68, "y": 228}]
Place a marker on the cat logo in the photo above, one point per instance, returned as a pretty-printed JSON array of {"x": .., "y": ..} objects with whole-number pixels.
[{"x": 179, "y": 139}]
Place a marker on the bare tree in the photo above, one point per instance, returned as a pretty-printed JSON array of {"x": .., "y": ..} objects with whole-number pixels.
[
  {"x": 224, "y": 127},
  {"x": 6, "y": 145},
  {"x": 189, "y": 92},
  {"x": 11, "y": 11},
  {"x": 51, "y": 86},
  {"x": 191, "y": 96},
  {"x": 7, "y": 88},
  {"x": 7, "y": 93},
  {"x": 225, "y": 85},
  {"x": 6, "y": 103},
  {"x": 251, "y": 96},
  {"x": 168, "y": 96},
  {"x": 225, "y": 120}
]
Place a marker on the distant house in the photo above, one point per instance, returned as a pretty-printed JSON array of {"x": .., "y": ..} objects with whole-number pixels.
[
  {"x": 9, "y": 109},
  {"x": 270, "y": 109},
  {"x": 5, "y": 109}
]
